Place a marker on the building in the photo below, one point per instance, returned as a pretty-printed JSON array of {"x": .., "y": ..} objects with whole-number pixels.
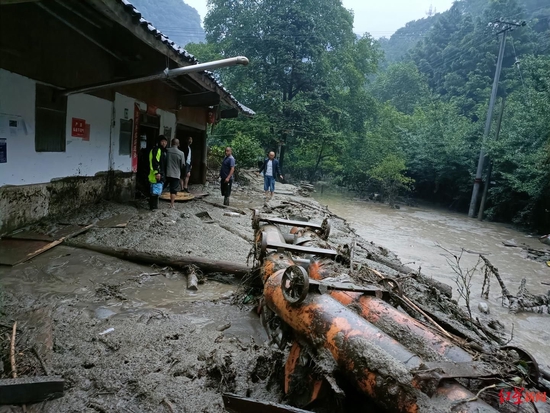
[{"x": 71, "y": 129}]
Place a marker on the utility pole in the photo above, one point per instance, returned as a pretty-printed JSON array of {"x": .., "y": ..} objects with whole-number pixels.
[
  {"x": 490, "y": 167},
  {"x": 508, "y": 26}
]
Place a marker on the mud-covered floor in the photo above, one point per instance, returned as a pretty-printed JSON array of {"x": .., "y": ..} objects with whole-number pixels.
[{"x": 132, "y": 338}]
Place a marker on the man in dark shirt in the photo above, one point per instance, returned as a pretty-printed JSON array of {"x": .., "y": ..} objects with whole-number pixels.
[{"x": 226, "y": 174}]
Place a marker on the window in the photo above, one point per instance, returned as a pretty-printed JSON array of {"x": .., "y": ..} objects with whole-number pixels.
[
  {"x": 125, "y": 137},
  {"x": 51, "y": 114}
]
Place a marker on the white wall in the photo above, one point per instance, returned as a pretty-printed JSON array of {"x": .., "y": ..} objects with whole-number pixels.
[
  {"x": 167, "y": 119},
  {"x": 81, "y": 158}
]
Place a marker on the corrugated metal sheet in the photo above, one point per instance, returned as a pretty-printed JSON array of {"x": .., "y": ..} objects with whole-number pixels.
[{"x": 181, "y": 52}]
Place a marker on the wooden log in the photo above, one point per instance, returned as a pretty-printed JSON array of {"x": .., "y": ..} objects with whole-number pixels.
[
  {"x": 26, "y": 390},
  {"x": 204, "y": 264}
]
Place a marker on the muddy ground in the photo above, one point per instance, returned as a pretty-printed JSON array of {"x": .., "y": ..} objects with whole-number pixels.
[{"x": 132, "y": 338}]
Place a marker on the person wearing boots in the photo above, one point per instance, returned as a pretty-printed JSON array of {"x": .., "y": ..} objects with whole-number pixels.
[
  {"x": 226, "y": 175},
  {"x": 157, "y": 168}
]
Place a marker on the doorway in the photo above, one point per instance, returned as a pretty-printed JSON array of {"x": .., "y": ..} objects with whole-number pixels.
[
  {"x": 198, "y": 152},
  {"x": 149, "y": 131}
]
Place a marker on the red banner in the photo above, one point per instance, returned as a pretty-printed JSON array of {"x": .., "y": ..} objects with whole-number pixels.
[
  {"x": 135, "y": 138},
  {"x": 78, "y": 128}
]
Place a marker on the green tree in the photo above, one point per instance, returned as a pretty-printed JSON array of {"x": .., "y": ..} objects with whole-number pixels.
[
  {"x": 390, "y": 175},
  {"x": 403, "y": 86}
]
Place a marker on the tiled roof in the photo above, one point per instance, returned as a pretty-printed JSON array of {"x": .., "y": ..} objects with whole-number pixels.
[{"x": 182, "y": 53}]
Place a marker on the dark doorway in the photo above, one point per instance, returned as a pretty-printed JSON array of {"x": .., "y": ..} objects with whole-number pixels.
[
  {"x": 198, "y": 152},
  {"x": 149, "y": 131}
]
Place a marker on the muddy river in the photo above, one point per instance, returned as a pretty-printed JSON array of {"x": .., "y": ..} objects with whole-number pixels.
[{"x": 417, "y": 234}]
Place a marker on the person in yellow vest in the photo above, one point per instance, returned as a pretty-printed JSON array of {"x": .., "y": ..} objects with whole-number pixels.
[{"x": 157, "y": 169}]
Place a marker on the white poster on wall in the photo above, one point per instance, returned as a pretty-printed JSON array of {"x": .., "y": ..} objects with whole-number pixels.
[{"x": 12, "y": 126}]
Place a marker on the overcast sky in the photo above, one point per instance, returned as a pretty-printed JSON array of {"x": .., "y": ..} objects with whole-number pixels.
[{"x": 378, "y": 17}]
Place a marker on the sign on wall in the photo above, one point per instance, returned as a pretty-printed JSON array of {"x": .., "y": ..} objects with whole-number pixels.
[{"x": 80, "y": 129}]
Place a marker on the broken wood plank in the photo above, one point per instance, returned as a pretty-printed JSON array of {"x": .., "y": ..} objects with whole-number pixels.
[
  {"x": 26, "y": 390},
  {"x": 204, "y": 264},
  {"x": 238, "y": 404},
  {"x": 16, "y": 251},
  {"x": 180, "y": 196},
  {"x": 69, "y": 231}
]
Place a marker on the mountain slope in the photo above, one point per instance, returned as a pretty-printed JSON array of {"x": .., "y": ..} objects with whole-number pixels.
[{"x": 177, "y": 20}]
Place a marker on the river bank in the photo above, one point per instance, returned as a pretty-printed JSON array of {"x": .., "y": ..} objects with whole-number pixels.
[
  {"x": 131, "y": 338},
  {"x": 418, "y": 235}
]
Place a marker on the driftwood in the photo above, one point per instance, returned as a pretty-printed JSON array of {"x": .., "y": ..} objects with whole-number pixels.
[
  {"x": 204, "y": 264},
  {"x": 297, "y": 203},
  {"x": 523, "y": 301},
  {"x": 230, "y": 208},
  {"x": 447, "y": 290}
]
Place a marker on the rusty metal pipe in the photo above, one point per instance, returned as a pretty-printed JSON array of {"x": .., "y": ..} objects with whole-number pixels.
[
  {"x": 379, "y": 365},
  {"x": 395, "y": 323},
  {"x": 376, "y": 362}
]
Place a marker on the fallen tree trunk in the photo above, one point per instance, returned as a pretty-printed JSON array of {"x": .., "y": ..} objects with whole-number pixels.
[
  {"x": 447, "y": 290},
  {"x": 204, "y": 264}
]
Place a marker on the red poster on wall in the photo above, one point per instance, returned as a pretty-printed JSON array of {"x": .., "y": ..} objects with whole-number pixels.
[
  {"x": 78, "y": 128},
  {"x": 135, "y": 138}
]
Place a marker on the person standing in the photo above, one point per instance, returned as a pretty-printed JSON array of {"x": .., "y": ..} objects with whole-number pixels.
[
  {"x": 226, "y": 174},
  {"x": 186, "y": 171},
  {"x": 175, "y": 162},
  {"x": 270, "y": 168},
  {"x": 157, "y": 168}
]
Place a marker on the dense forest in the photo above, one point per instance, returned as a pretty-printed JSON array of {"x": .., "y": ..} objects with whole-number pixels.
[{"x": 403, "y": 115}]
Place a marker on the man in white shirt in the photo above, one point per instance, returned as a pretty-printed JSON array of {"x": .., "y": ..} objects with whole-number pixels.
[
  {"x": 186, "y": 171},
  {"x": 271, "y": 169}
]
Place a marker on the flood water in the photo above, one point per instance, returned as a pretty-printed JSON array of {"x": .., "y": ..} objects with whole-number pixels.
[{"x": 417, "y": 234}]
